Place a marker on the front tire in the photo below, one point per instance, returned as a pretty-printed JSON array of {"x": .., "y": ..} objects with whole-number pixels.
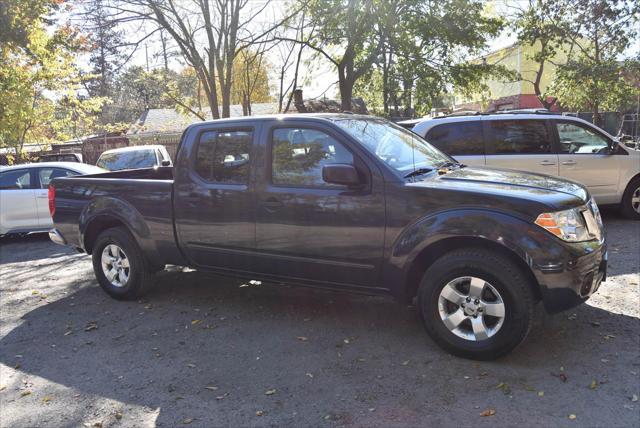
[
  {"x": 119, "y": 265},
  {"x": 476, "y": 303},
  {"x": 631, "y": 200}
]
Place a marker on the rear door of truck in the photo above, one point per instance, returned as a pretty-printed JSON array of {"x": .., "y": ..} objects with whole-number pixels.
[{"x": 213, "y": 195}]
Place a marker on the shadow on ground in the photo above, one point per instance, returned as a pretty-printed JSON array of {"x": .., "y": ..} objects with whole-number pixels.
[{"x": 330, "y": 357}]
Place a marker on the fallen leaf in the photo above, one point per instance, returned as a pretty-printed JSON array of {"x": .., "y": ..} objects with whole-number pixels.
[
  {"x": 211, "y": 388},
  {"x": 259, "y": 413},
  {"x": 91, "y": 325},
  {"x": 540, "y": 393},
  {"x": 68, "y": 333},
  {"x": 594, "y": 384},
  {"x": 308, "y": 374},
  {"x": 270, "y": 392},
  {"x": 97, "y": 425},
  {"x": 595, "y": 323},
  {"x": 25, "y": 393},
  {"x": 47, "y": 399},
  {"x": 191, "y": 366},
  {"x": 634, "y": 397},
  {"x": 3, "y": 387},
  {"x": 573, "y": 417},
  {"x": 504, "y": 387},
  {"x": 220, "y": 397},
  {"x": 346, "y": 341},
  {"x": 196, "y": 322},
  {"x": 604, "y": 360},
  {"x": 488, "y": 412},
  {"x": 406, "y": 363},
  {"x": 118, "y": 415},
  {"x": 187, "y": 421},
  {"x": 302, "y": 338},
  {"x": 563, "y": 377}
]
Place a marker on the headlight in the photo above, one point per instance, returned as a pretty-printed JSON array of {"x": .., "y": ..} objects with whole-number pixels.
[{"x": 568, "y": 225}]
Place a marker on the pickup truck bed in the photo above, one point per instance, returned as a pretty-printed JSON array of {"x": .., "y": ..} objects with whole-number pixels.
[{"x": 140, "y": 198}]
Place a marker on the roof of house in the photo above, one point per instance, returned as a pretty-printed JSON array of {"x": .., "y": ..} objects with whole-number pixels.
[{"x": 168, "y": 120}]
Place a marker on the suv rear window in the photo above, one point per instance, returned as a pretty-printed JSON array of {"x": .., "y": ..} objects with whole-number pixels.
[
  {"x": 143, "y": 158},
  {"x": 519, "y": 137},
  {"x": 458, "y": 139}
]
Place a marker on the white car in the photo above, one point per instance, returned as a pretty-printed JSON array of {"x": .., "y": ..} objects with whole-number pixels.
[
  {"x": 24, "y": 205},
  {"x": 134, "y": 157},
  {"x": 544, "y": 143}
]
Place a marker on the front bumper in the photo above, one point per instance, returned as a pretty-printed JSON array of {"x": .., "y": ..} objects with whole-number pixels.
[
  {"x": 56, "y": 236},
  {"x": 572, "y": 281}
]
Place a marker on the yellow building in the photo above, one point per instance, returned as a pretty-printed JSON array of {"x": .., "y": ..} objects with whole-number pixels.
[{"x": 503, "y": 94}]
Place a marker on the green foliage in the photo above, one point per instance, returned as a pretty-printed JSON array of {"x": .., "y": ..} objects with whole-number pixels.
[
  {"x": 425, "y": 46},
  {"x": 39, "y": 81},
  {"x": 595, "y": 78},
  {"x": 606, "y": 85}
]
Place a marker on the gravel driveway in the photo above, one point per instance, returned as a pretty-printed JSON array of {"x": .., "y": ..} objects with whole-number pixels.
[{"x": 203, "y": 350}]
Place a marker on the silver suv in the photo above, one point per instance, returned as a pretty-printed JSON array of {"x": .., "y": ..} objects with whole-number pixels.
[{"x": 543, "y": 143}]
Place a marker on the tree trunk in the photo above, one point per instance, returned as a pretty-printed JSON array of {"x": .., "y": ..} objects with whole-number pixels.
[{"x": 346, "y": 88}]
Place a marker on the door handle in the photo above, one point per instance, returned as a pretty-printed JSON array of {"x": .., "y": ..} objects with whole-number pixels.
[
  {"x": 547, "y": 163},
  {"x": 569, "y": 162},
  {"x": 272, "y": 204}
]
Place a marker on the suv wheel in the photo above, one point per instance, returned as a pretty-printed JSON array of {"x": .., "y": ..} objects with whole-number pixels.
[
  {"x": 631, "y": 200},
  {"x": 119, "y": 265},
  {"x": 476, "y": 303}
]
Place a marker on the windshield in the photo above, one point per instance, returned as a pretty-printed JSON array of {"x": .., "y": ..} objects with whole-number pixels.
[
  {"x": 402, "y": 150},
  {"x": 127, "y": 160}
]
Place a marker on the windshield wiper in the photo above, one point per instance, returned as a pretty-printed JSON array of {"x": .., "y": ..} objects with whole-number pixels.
[
  {"x": 418, "y": 171},
  {"x": 448, "y": 165}
]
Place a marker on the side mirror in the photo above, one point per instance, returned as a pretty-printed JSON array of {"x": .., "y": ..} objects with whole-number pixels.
[
  {"x": 165, "y": 163},
  {"x": 342, "y": 174}
]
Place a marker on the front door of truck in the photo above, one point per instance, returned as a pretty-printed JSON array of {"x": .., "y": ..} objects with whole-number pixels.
[
  {"x": 213, "y": 198},
  {"x": 307, "y": 228}
]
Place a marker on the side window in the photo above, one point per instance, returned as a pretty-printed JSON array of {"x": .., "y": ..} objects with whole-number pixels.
[
  {"x": 520, "y": 137},
  {"x": 457, "y": 139},
  {"x": 223, "y": 156},
  {"x": 19, "y": 179},
  {"x": 580, "y": 139},
  {"x": 48, "y": 174},
  {"x": 298, "y": 156}
]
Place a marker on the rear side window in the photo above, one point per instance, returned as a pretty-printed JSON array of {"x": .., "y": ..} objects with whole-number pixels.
[
  {"x": 458, "y": 139},
  {"x": 519, "y": 137},
  {"x": 223, "y": 156},
  {"x": 144, "y": 158},
  {"x": 300, "y": 154},
  {"x": 48, "y": 174},
  {"x": 15, "y": 180}
]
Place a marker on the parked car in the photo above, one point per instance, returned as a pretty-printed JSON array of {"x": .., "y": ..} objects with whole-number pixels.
[
  {"x": 345, "y": 202},
  {"x": 544, "y": 143},
  {"x": 134, "y": 157},
  {"x": 23, "y": 194},
  {"x": 61, "y": 157}
]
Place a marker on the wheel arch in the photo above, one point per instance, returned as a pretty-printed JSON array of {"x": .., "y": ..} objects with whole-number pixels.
[
  {"x": 96, "y": 226},
  {"x": 428, "y": 255}
]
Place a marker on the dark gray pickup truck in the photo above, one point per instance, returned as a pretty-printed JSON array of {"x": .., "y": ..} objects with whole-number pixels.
[{"x": 351, "y": 203}]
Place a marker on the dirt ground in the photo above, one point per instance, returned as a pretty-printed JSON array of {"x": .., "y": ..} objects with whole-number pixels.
[{"x": 202, "y": 350}]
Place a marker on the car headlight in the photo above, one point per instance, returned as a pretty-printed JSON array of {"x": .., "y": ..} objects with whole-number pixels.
[{"x": 568, "y": 225}]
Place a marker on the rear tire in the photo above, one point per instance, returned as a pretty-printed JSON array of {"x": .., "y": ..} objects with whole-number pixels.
[
  {"x": 630, "y": 206},
  {"x": 494, "y": 303},
  {"x": 120, "y": 266}
]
